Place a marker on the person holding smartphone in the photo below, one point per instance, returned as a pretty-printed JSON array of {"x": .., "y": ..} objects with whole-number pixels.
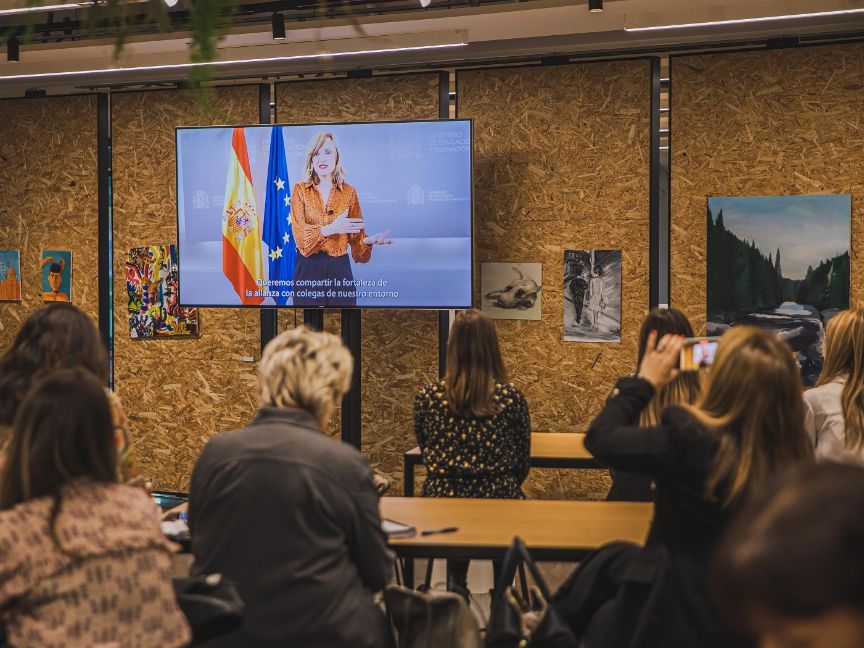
[
  {"x": 682, "y": 390},
  {"x": 706, "y": 459},
  {"x": 327, "y": 221}
]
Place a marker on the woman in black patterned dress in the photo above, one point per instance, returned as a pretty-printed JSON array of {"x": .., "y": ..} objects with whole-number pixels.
[{"x": 473, "y": 427}]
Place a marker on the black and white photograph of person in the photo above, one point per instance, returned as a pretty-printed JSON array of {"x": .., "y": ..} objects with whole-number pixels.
[
  {"x": 592, "y": 295},
  {"x": 511, "y": 290}
]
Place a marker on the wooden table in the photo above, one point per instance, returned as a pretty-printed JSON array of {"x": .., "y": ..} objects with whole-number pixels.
[
  {"x": 548, "y": 450},
  {"x": 552, "y": 530}
]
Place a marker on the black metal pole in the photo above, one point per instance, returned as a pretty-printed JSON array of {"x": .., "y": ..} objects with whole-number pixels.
[
  {"x": 443, "y": 316},
  {"x": 105, "y": 257},
  {"x": 313, "y": 318},
  {"x": 269, "y": 317},
  {"x": 351, "y": 425},
  {"x": 654, "y": 269}
]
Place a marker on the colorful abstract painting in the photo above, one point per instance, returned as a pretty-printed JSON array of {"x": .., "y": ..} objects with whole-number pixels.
[
  {"x": 56, "y": 275},
  {"x": 10, "y": 275},
  {"x": 151, "y": 283}
]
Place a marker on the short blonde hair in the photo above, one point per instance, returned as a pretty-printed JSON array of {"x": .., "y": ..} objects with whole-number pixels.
[{"x": 306, "y": 369}]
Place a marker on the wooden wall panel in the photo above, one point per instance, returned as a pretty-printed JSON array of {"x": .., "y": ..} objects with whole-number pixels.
[
  {"x": 774, "y": 122},
  {"x": 399, "y": 349},
  {"x": 48, "y": 197},
  {"x": 177, "y": 392},
  {"x": 562, "y": 162}
]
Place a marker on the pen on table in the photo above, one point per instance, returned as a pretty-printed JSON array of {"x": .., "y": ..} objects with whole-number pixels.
[{"x": 427, "y": 532}]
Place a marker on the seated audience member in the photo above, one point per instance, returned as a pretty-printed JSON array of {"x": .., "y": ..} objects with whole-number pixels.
[
  {"x": 837, "y": 401},
  {"x": 705, "y": 458},
  {"x": 790, "y": 569},
  {"x": 681, "y": 390},
  {"x": 290, "y": 514},
  {"x": 473, "y": 427},
  {"x": 82, "y": 558},
  {"x": 58, "y": 336}
]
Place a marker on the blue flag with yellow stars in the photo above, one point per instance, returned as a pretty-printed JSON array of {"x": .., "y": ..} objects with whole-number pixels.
[{"x": 277, "y": 220}]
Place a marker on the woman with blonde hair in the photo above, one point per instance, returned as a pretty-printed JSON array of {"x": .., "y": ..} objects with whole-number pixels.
[
  {"x": 326, "y": 221},
  {"x": 473, "y": 426},
  {"x": 681, "y": 390},
  {"x": 290, "y": 514},
  {"x": 837, "y": 400},
  {"x": 706, "y": 458}
]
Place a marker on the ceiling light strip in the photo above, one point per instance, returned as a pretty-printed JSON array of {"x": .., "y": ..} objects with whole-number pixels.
[
  {"x": 739, "y": 21},
  {"x": 269, "y": 59},
  {"x": 39, "y": 8}
]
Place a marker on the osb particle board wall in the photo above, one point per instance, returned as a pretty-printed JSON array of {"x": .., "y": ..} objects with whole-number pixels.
[
  {"x": 561, "y": 161},
  {"x": 48, "y": 197},
  {"x": 399, "y": 349},
  {"x": 177, "y": 393},
  {"x": 774, "y": 122}
]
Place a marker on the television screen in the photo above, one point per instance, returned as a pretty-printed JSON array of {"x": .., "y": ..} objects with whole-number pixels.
[{"x": 371, "y": 215}]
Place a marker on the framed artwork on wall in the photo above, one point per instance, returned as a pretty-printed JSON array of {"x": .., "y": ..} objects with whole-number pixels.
[
  {"x": 56, "y": 275},
  {"x": 592, "y": 295},
  {"x": 10, "y": 275},
  {"x": 782, "y": 263},
  {"x": 151, "y": 284},
  {"x": 511, "y": 290}
]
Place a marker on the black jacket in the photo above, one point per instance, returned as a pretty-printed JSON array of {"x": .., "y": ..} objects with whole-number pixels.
[
  {"x": 292, "y": 516},
  {"x": 663, "y": 599}
]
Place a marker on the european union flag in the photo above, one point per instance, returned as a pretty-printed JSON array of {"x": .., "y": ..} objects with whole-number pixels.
[{"x": 277, "y": 218}]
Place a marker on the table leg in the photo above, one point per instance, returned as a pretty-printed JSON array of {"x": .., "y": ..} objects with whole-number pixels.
[{"x": 408, "y": 476}]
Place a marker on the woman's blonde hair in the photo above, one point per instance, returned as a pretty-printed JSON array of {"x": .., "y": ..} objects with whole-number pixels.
[
  {"x": 306, "y": 369},
  {"x": 474, "y": 365},
  {"x": 309, "y": 173},
  {"x": 844, "y": 355},
  {"x": 752, "y": 398},
  {"x": 685, "y": 387}
]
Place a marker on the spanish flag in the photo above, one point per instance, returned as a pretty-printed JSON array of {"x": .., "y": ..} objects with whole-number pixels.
[{"x": 241, "y": 233}]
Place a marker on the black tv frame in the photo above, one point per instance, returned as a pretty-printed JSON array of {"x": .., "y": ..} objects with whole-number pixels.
[{"x": 325, "y": 124}]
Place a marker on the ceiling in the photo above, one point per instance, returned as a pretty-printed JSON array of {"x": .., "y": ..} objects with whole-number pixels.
[{"x": 324, "y": 36}]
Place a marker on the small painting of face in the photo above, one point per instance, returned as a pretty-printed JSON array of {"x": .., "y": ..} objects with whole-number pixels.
[{"x": 54, "y": 280}]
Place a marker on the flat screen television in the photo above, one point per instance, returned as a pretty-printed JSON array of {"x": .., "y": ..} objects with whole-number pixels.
[{"x": 366, "y": 215}]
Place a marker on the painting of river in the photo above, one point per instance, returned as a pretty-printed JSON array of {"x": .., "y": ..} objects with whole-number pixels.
[{"x": 780, "y": 262}]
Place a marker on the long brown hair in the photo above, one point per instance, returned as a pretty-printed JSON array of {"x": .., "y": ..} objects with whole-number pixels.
[
  {"x": 62, "y": 432},
  {"x": 753, "y": 399},
  {"x": 474, "y": 365},
  {"x": 53, "y": 337},
  {"x": 844, "y": 355},
  {"x": 684, "y": 388}
]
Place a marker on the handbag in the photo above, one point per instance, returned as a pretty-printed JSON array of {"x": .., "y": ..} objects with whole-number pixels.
[
  {"x": 529, "y": 618},
  {"x": 431, "y": 619},
  {"x": 211, "y": 604}
]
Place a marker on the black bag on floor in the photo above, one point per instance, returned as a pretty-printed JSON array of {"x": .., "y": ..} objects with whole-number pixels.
[
  {"x": 431, "y": 619},
  {"x": 529, "y": 619},
  {"x": 211, "y": 604}
]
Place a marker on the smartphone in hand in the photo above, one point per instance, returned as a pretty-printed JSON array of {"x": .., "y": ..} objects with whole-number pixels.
[{"x": 698, "y": 353}]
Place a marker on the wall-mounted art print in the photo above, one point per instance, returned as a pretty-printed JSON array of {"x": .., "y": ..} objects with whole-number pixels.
[
  {"x": 56, "y": 275},
  {"x": 10, "y": 275},
  {"x": 592, "y": 295},
  {"x": 151, "y": 284},
  {"x": 511, "y": 290},
  {"x": 780, "y": 262}
]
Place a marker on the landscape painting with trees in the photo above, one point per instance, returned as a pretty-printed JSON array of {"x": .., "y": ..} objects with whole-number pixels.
[{"x": 780, "y": 262}]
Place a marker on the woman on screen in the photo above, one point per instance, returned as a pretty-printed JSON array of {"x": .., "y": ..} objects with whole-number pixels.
[{"x": 326, "y": 219}]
